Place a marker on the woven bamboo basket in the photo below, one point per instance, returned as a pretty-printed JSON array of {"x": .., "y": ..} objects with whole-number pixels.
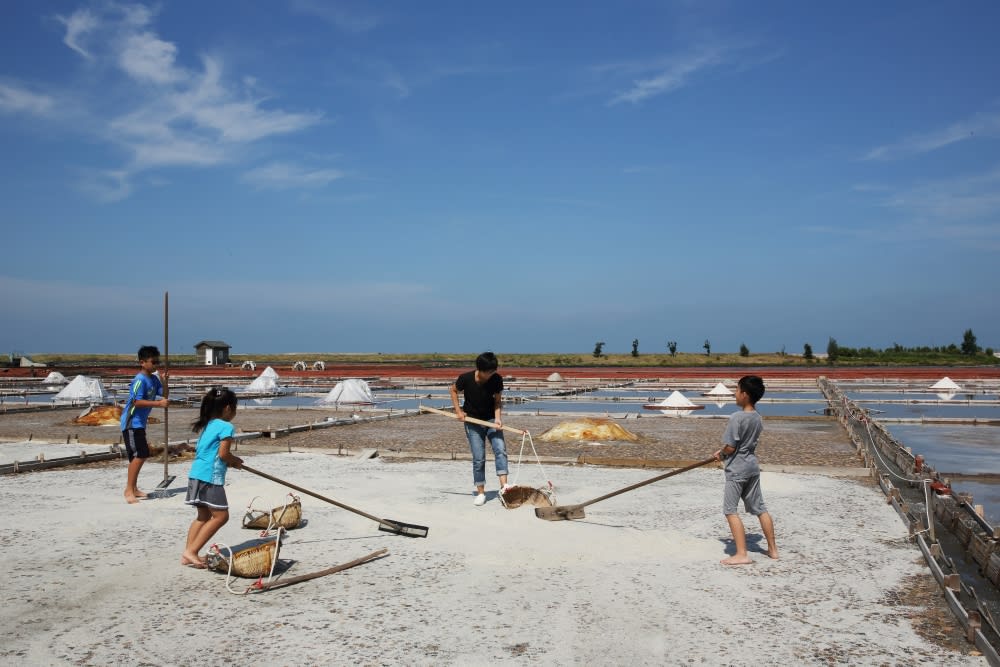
[
  {"x": 287, "y": 516},
  {"x": 250, "y": 562},
  {"x": 515, "y": 496}
]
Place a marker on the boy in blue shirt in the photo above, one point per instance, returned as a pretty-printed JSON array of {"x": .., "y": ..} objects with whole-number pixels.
[
  {"x": 743, "y": 471},
  {"x": 142, "y": 398}
]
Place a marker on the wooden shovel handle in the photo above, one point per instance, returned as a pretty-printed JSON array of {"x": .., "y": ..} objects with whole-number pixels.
[
  {"x": 473, "y": 420},
  {"x": 310, "y": 493},
  {"x": 649, "y": 481}
]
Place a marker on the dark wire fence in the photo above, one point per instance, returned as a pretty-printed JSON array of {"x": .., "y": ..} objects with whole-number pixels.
[{"x": 961, "y": 549}]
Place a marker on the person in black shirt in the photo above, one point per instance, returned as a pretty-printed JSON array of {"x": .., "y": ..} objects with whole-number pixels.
[{"x": 482, "y": 388}]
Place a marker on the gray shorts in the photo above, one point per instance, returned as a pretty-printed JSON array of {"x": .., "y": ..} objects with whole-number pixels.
[
  {"x": 203, "y": 494},
  {"x": 749, "y": 491}
]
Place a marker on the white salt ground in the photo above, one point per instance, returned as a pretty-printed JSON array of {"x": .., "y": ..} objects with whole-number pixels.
[{"x": 92, "y": 580}]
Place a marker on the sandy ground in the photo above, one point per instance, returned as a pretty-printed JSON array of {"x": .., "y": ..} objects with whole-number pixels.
[{"x": 93, "y": 581}]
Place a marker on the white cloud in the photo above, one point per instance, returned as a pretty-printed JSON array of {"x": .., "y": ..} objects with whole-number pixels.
[
  {"x": 145, "y": 57},
  {"x": 282, "y": 175},
  {"x": 14, "y": 99},
  {"x": 78, "y": 24},
  {"x": 172, "y": 115},
  {"x": 978, "y": 126},
  {"x": 660, "y": 76}
]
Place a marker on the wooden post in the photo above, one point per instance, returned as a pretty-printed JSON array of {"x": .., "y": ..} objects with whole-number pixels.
[{"x": 166, "y": 392}]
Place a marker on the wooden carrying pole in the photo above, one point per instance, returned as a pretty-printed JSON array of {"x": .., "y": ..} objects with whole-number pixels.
[{"x": 472, "y": 420}]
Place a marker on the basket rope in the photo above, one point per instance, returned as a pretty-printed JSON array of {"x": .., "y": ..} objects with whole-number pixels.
[
  {"x": 551, "y": 490},
  {"x": 219, "y": 546},
  {"x": 274, "y": 517}
]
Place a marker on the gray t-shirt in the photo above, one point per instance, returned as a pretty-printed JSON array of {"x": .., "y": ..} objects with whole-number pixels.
[{"x": 742, "y": 433}]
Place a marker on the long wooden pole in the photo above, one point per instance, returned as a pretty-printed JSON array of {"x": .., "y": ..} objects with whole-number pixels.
[
  {"x": 166, "y": 392},
  {"x": 471, "y": 420}
]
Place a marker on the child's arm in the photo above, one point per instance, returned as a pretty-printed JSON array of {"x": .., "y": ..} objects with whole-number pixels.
[
  {"x": 724, "y": 452},
  {"x": 158, "y": 403},
  {"x": 230, "y": 459}
]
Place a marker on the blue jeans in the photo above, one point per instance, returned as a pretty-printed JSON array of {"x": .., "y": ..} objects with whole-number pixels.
[{"x": 477, "y": 436}]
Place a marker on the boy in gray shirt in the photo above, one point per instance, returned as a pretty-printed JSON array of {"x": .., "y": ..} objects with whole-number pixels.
[{"x": 743, "y": 472}]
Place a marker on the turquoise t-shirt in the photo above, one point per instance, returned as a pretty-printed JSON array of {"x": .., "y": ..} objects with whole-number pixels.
[{"x": 207, "y": 466}]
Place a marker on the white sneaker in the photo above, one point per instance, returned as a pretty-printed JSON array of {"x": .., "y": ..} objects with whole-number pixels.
[{"x": 480, "y": 500}]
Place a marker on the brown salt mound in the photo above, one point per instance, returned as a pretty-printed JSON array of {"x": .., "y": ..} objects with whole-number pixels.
[
  {"x": 100, "y": 415},
  {"x": 587, "y": 429}
]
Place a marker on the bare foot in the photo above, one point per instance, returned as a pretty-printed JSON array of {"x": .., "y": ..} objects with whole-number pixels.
[
  {"x": 131, "y": 500},
  {"x": 772, "y": 553},
  {"x": 733, "y": 560},
  {"x": 141, "y": 494},
  {"x": 197, "y": 562}
]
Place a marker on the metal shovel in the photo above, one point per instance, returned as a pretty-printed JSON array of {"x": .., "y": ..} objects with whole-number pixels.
[
  {"x": 387, "y": 525},
  {"x": 564, "y": 512}
]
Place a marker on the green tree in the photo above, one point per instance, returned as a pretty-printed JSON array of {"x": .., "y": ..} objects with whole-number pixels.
[
  {"x": 708, "y": 347},
  {"x": 832, "y": 350},
  {"x": 807, "y": 351},
  {"x": 969, "y": 346},
  {"x": 672, "y": 346},
  {"x": 598, "y": 346},
  {"x": 635, "y": 347},
  {"x": 744, "y": 350}
]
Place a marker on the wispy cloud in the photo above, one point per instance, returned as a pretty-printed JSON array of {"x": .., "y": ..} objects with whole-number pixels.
[
  {"x": 78, "y": 24},
  {"x": 175, "y": 116},
  {"x": 17, "y": 99},
  {"x": 338, "y": 14},
  {"x": 659, "y": 76},
  {"x": 968, "y": 198},
  {"x": 978, "y": 126},
  {"x": 964, "y": 210},
  {"x": 283, "y": 176}
]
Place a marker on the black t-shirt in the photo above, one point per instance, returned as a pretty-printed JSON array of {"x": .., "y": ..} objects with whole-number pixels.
[{"x": 479, "y": 401}]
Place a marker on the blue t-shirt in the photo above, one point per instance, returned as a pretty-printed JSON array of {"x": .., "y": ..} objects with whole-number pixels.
[
  {"x": 143, "y": 388},
  {"x": 742, "y": 432},
  {"x": 207, "y": 466}
]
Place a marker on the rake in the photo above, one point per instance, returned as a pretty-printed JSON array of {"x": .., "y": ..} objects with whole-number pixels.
[{"x": 564, "y": 512}]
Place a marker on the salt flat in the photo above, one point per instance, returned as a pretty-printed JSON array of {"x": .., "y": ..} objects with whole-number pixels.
[{"x": 93, "y": 580}]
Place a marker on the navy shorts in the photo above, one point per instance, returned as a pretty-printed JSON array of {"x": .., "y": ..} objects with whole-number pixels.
[
  {"x": 135, "y": 443},
  {"x": 204, "y": 494}
]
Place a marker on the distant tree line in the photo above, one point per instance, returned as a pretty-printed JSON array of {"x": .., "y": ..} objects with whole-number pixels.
[{"x": 836, "y": 352}]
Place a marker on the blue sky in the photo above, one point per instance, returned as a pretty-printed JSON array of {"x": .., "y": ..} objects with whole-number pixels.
[{"x": 517, "y": 176}]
